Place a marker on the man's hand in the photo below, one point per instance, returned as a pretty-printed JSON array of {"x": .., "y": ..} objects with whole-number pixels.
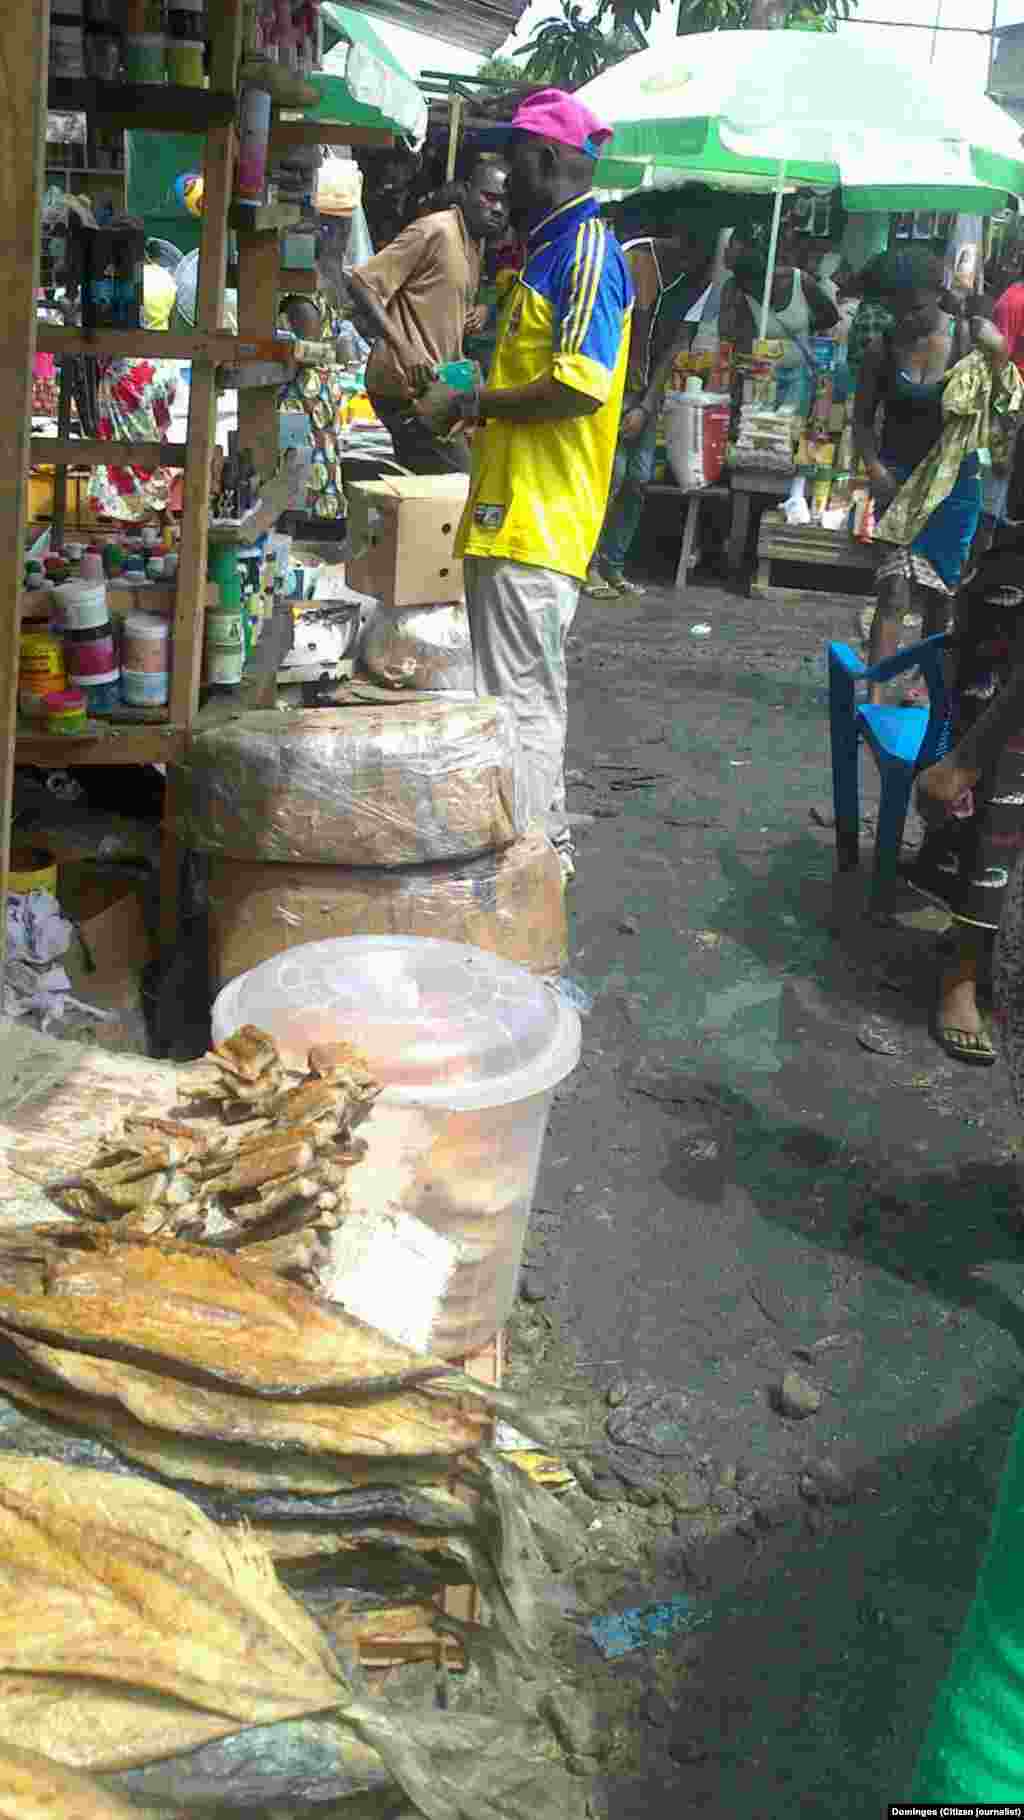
[
  {"x": 421, "y": 376},
  {"x": 942, "y": 785},
  {"x": 438, "y": 408},
  {"x": 633, "y": 423},
  {"x": 476, "y": 321}
]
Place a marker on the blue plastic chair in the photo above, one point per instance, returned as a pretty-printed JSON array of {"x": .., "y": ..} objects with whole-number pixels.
[{"x": 902, "y": 741}]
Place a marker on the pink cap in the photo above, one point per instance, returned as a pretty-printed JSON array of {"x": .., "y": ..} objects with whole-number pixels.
[{"x": 552, "y": 114}]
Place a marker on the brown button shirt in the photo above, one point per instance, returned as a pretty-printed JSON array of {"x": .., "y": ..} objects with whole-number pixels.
[{"x": 427, "y": 281}]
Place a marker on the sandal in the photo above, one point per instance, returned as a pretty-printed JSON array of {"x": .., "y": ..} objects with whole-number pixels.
[
  {"x": 966, "y": 1045},
  {"x": 597, "y": 588},
  {"x": 623, "y": 585}
]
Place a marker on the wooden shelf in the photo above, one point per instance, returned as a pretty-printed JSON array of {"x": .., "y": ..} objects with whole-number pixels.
[
  {"x": 263, "y": 218},
  {"x": 88, "y": 170},
  {"x": 85, "y": 454},
  {"x": 111, "y": 745},
  {"x": 210, "y": 344},
  {"x": 162, "y": 106},
  {"x": 286, "y": 135}
]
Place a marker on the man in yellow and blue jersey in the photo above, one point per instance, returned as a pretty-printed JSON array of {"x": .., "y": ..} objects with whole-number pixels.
[{"x": 542, "y": 460}]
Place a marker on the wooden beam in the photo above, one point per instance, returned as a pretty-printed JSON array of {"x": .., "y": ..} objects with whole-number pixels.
[
  {"x": 169, "y": 108},
  {"x": 115, "y": 746},
  {"x": 160, "y": 344},
  {"x": 285, "y": 135},
  {"x": 190, "y": 615},
  {"x": 24, "y": 62},
  {"x": 86, "y": 454},
  {"x": 259, "y": 271}
]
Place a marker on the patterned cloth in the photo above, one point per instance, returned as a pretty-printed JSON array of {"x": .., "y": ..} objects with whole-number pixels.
[
  {"x": 134, "y": 399},
  {"x": 966, "y": 864},
  {"x": 321, "y": 393},
  {"x": 871, "y": 322},
  {"x": 977, "y": 405}
]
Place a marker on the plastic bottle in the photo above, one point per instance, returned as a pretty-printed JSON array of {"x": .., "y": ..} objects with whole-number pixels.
[{"x": 254, "y": 132}]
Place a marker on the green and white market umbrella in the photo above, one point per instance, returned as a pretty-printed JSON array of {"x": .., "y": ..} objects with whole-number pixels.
[{"x": 746, "y": 110}]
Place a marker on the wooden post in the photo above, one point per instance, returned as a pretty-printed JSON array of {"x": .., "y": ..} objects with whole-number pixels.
[
  {"x": 190, "y": 610},
  {"x": 259, "y": 281},
  {"x": 24, "y": 59}
]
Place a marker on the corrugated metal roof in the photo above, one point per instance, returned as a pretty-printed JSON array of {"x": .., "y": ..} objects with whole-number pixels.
[{"x": 474, "y": 25}]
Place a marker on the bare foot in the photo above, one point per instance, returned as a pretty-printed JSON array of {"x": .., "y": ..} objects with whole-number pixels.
[{"x": 958, "y": 1004}]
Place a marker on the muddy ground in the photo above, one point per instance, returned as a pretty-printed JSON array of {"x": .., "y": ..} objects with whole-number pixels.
[{"x": 735, "y": 1187}]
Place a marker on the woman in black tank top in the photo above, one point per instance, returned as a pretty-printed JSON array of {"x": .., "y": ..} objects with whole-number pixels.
[{"x": 902, "y": 380}]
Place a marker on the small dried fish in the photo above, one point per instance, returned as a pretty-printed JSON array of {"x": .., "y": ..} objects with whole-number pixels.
[{"x": 248, "y": 1054}]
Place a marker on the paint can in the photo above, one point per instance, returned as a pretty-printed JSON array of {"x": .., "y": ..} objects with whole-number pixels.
[{"x": 40, "y": 669}]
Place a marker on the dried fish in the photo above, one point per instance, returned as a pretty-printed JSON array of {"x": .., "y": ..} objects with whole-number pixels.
[
  {"x": 88, "y": 1430},
  {"x": 34, "y": 1787},
  {"x": 248, "y": 1054},
  {"x": 120, "y": 1579},
  {"x": 212, "y": 1318},
  {"x": 98, "y": 1725},
  {"x": 302, "y": 1762},
  {"x": 388, "y": 1427}
]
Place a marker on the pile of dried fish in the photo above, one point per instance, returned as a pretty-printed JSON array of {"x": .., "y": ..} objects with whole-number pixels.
[
  {"x": 275, "y": 1188},
  {"x": 212, "y": 1487}
]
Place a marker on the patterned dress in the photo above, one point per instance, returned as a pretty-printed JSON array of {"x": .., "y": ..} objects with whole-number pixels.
[
  {"x": 968, "y": 862},
  {"x": 134, "y": 399},
  {"x": 321, "y": 392}
]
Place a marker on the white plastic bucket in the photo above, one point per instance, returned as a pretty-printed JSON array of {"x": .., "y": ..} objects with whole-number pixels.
[
  {"x": 470, "y": 1049},
  {"x": 696, "y": 435}
]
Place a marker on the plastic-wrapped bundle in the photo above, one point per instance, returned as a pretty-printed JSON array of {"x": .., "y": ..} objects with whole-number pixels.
[
  {"x": 419, "y": 647},
  {"x": 402, "y": 785},
  {"x": 510, "y": 903}
]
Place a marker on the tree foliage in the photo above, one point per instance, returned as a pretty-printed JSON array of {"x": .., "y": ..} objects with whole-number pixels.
[
  {"x": 737, "y": 15},
  {"x": 570, "y": 49},
  {"x": 501, "y": 69}
]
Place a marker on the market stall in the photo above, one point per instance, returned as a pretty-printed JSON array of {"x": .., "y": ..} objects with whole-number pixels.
[{"x": 773, "y": 113}]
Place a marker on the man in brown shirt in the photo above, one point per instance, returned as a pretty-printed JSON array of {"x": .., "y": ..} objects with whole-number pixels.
[{"x": 419, "y": 293}]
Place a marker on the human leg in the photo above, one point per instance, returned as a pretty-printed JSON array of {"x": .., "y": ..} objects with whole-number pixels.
[
  {"x": 519, "y": 620},
  {"x": 892, "y": 601},
  {"x": 623, "y": 521}
]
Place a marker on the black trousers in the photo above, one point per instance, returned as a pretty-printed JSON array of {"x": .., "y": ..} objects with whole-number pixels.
[{"x": 416, "y": 447}]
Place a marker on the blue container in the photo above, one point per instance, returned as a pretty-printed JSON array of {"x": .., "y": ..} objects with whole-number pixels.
[{"x": 100, "y": 698}]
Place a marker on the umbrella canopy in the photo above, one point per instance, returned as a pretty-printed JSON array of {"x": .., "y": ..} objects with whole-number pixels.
[
  {"x": 362, "y": 83},
  {"x": 727, "y": 108}
]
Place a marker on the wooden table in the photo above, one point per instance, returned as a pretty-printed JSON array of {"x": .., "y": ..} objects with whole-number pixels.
[
  {"x": 748, "y": 485},
  {"x": 835, "y": 553},
  {"x": 694, "y": 496}
]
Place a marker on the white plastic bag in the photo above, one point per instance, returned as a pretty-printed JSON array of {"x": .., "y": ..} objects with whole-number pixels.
[{"x": 339, "y": 186}]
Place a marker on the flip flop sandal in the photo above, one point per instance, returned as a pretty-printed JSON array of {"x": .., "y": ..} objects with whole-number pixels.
[
  {"x": 966, "y": 1046},
  {"x": 599, "y": 589},
  {"x": 623, "y": 585}
]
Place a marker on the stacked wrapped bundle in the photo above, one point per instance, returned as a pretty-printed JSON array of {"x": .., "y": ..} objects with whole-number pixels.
[{"x": 402, "y": 819}]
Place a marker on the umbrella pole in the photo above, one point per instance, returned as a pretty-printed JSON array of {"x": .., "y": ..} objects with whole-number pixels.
[{"x": 773, "y": 247}]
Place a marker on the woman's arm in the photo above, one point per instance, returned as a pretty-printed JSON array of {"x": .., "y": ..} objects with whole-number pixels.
[{"x": 824, "y": 314}]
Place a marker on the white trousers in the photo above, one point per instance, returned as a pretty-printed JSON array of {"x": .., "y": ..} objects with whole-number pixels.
[{"x": 519, "y": 620}]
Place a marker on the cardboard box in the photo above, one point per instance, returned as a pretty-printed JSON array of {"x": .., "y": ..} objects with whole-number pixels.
[{"x": 405, "y": 529}]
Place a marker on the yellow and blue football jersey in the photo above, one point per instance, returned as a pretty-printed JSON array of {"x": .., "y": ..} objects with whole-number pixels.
[{"x": 538, "y": 490}]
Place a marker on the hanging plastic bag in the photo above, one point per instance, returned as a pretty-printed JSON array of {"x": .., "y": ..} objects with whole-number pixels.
[{"x": 339, "y": 186}]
